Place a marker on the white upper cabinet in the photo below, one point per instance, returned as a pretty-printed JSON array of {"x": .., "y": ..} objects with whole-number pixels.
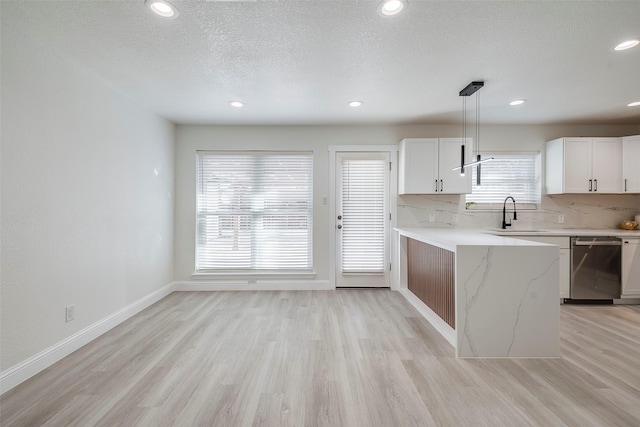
[
  {"x": 418, "y": 168},
  {"x": 584, "y": 165},
  {"x": 631, "y": 164},
  {"x": 426, "y": 166},
  {"x": 578, "y": 156}
]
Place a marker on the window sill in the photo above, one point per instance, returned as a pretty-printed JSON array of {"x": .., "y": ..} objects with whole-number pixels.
[
  {"x": 497, "y": 207},
  {"x": 253, "y": 275}
]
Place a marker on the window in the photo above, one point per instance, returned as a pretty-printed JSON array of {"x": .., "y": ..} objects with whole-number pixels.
[
  {"x": 254, "y": 211},
  {"x": 509, "y": 174}
]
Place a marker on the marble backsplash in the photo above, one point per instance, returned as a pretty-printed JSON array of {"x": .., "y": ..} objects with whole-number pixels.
[{"x": 579, "y": 210}]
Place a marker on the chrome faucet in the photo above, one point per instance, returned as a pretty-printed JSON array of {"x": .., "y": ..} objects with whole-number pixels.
[{"x": 504, "y": 213}]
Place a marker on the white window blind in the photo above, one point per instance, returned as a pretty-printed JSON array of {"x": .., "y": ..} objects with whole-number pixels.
[
  {"x": 516, "y": 175},
  {"x": 363, "y": 209},
  {"x": 254, "y": 211}
]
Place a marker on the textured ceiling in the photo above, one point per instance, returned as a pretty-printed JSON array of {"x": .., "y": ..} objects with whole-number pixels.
[{"x": 300, "y": 62}]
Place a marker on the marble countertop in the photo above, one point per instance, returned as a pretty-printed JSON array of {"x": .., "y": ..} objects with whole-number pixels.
[
  {"x": 616, "y": 232},
  {"x": 451, "y": 238}
]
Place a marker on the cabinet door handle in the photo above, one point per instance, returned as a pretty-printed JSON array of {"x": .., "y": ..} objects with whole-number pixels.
[
  {"x": 625, "y": 184},
  {"x": 441, "y": 187},
  {"x": 436, "y": 185},
  {"x": 590, "y": 185},
  {"x": 595, "y": 181}
]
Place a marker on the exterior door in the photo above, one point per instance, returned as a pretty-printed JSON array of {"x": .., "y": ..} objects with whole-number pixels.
[{"x": 362, "y": 219}]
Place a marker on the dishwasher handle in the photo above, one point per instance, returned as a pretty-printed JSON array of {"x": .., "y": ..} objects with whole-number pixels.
[{"x": 598, "y": 243}]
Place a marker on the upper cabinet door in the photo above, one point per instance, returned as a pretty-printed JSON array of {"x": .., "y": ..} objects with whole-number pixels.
[
  {"x": 607, "y": 161},
  {"x": 631, "y": 164},
  {"x": 577, "y": 165},
  {"x": 418, "y": 171},
  {"x": 452, "y": 182},
  {"x": 584, "y": 165}
]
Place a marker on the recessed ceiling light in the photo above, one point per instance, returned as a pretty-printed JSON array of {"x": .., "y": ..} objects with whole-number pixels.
[
  {"x": 391, "y": 7},
  {"x": 355, "y": 103},
  {"x": 518, "y": 102},
  {"x": 236, "y": 104},
  {"x": 628, "y": 44},
  {"x": 634, "y": 104},
  {"x": 162, "y": 8}
]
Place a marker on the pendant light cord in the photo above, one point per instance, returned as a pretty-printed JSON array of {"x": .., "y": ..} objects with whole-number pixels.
[
  {"x": 464, "y": 119},
  {"x": 478, "y": 123}
]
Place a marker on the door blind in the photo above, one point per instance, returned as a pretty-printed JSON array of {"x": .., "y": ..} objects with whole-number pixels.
[
  {"x": 363, "y": 209},
  {"x": 254, "y": 211}
]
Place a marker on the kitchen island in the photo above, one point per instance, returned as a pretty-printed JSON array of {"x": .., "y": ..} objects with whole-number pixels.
[{"x": 489, "y": 296}]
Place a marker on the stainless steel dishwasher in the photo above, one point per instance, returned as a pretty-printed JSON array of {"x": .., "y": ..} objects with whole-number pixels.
[{"x": 596, "y": 269}]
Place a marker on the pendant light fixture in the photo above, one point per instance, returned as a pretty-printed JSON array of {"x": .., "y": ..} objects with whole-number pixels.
[{"x": 469, "y": 90}]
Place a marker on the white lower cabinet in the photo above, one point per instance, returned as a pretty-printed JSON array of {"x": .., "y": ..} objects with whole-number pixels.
[
  {"x": 563, "y": 244},
  {"x": 630, "y": 268}
]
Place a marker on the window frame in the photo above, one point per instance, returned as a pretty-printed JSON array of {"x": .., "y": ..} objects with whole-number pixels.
[
  {"x": 497, "y": 205},
  {"x": 301, "y": 272}
]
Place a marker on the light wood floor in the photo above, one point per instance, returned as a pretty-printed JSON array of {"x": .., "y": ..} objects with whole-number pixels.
[{"x": 332, "y": 358}]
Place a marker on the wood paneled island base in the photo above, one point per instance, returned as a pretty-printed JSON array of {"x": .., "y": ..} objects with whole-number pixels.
[{"x": 431, "y": 277}]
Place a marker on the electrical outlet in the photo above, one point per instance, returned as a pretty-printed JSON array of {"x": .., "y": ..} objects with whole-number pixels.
[
  {"x": 455, "y": 218},
  {"x": 69, "y": 313},
  {"x": 560, "y": 219},
  {"x": 432, "y": 218}
]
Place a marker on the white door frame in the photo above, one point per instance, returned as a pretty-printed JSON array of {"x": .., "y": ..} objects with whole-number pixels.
[{"x": 393, "y": 206}]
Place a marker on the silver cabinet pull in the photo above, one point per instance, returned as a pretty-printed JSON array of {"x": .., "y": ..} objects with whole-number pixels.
[
  {"x": 436, "y": 185},
  {"x": 441, "y": 187},
  {"x": 625, "y": 184},
  {"x": 590, "y": 185},
  {"x": 595, "y": 181}
]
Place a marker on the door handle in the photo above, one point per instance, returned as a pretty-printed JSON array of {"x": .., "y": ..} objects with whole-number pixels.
[
  {"x": 595, "y": 181},
  {"x": 625, "y": 184},
  {"x": 339, "y": 227},
  {"x": 590, "y": 185},
  {"x": 592, "y": 243},
  {"x": 436, "y": 185},
  {"x": 441, "y": 187}
]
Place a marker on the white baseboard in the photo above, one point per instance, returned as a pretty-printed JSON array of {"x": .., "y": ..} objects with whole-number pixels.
[
  {"x": 254, "y": 285},
  {"x": 35, "y": 364},
  {"x": 441, "y": 326}
]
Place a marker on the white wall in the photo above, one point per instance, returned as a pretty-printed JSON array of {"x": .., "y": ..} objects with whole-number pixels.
[
  {"x": 302, "y": 138},
  {"x": 411, "y": 209},
  {"x": 86, "y": 221}
]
